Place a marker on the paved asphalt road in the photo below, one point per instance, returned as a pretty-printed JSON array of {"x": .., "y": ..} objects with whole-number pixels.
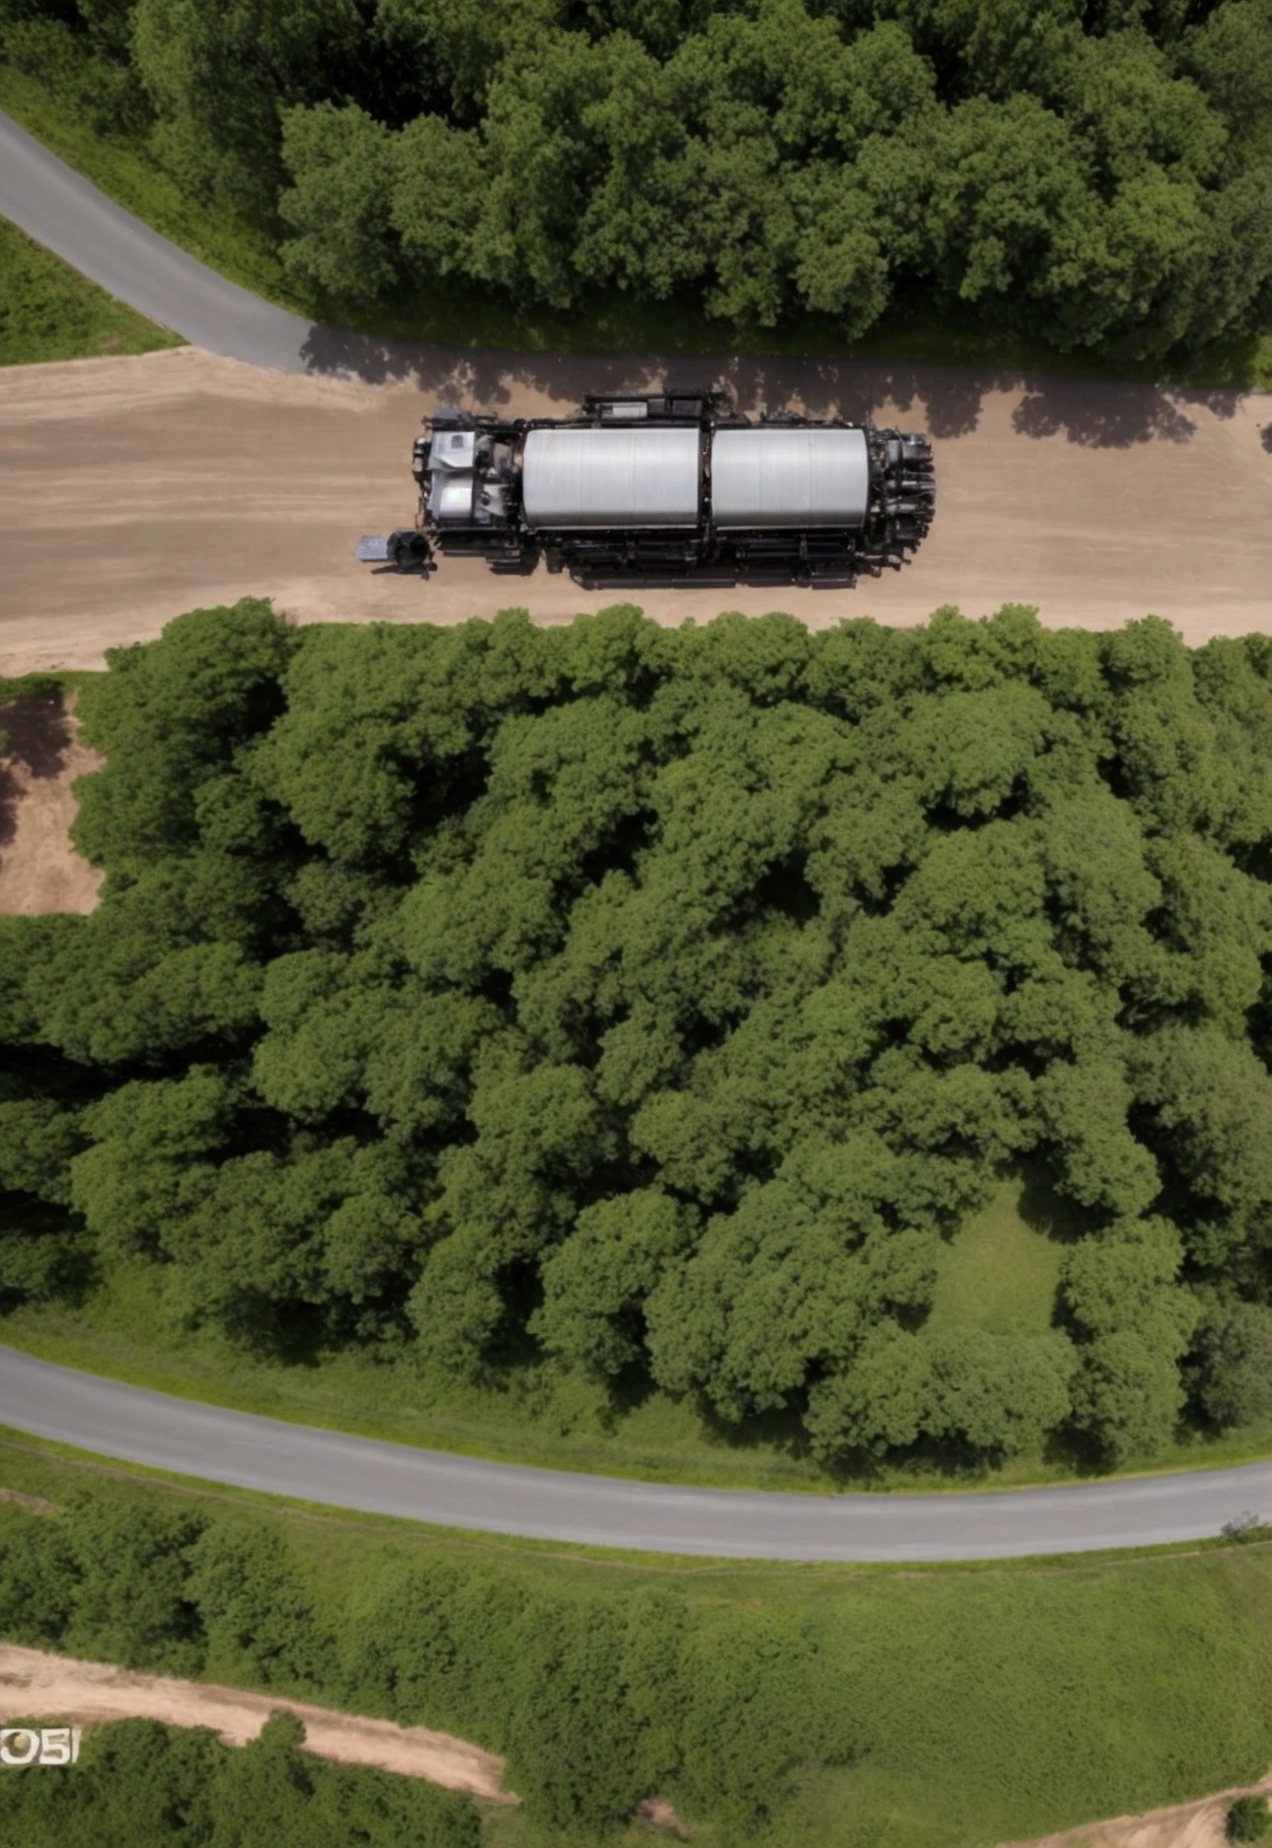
[
  {"x": 452, "y": 1491},
  {"x": 64, "y": 212}
]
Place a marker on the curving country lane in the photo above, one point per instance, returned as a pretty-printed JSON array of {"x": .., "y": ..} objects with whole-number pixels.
[
  {"x": 69, "y": 215},
  {"x": 373, "y": 1477}
]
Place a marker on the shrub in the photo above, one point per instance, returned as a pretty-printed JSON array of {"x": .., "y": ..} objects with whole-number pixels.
[{"x": 1247, "y": 1819}]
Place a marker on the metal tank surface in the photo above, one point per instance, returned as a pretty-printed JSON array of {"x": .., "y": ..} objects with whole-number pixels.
[
  {"x": 671, "y": 487},
  {"x": 576, "y": 479},
  {"x": 810, "y": 477}
]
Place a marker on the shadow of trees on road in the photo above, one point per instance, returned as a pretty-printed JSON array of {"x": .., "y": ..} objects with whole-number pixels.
[{"x": 945, "y": 400}]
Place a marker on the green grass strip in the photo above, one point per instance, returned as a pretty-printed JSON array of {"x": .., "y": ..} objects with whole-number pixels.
[{"x": 49, "y": 312}]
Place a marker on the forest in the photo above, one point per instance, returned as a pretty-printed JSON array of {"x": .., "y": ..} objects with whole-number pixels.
[
  {"x": 658, "y": 1006},
  {"x": 1096, "y": 172}
]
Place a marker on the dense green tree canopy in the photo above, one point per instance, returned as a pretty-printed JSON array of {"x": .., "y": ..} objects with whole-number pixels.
[
  {"x": 1098, "y": 173},
  {"x": 662, "y": 1002}
]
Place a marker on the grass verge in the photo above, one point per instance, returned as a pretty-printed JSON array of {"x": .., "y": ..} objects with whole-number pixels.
[
  {"x": 48, "y": 311},
  {"x": 972, "y": 1705},
  {"x": 912, "y": 334}
]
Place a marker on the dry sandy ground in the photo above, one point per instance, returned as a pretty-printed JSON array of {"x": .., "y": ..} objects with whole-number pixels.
[
  {"x": 39, "y": 870},
  {"x": 34, "y": 1685},
  {"x": 1187, "y": 1825},
  {"x": 132, "y": 489}
]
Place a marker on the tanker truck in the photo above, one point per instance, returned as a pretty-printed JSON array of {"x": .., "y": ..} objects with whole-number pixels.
[{"x": 665, "y": 488}]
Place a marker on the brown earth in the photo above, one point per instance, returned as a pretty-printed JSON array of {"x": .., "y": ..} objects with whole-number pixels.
[
  {"x": 1186, "y": 1825},
  {"x": 40, "y": 760},
  {"x": 134, "y": 488},
  {"x": 37, "y": 1686},
  {"x": 658, "y": 1814}
]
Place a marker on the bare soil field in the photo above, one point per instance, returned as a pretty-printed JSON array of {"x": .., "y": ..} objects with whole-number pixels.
[
  {"x": 40, "y": 758},
  {"x": 134, "y": 488},
  {"x": 38, "y": 1686}
]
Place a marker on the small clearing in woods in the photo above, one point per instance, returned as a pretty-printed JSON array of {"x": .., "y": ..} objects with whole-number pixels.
[
  {"x": 35, "y": 1685},
  {"x": 1186, "y": 1825},
  {"x": 40, "y": 758}
]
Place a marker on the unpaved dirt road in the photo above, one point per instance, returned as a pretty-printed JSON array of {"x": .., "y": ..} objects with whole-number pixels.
[
  {"x": 132, "y": 489},
  {"x": 37, "y": 1686}
]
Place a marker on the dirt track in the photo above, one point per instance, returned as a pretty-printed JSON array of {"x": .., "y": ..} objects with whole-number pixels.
[
  {"x": 41, "y": 758},
  {"x": 1185, "y": 1825},
  {"x": 36, "y": 1686},
  {"x": 132, "y": 489}
]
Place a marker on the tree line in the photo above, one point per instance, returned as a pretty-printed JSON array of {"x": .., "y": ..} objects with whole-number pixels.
[
  {"x": 1098, "y": 173},
  {"x": 655, "y": 1005}
]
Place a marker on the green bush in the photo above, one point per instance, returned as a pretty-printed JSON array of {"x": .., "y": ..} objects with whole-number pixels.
[
  {"x": 153, "y": 1590},
  {"x": 1247, "y": 1819},
  {"x": 596, "y": 1704}
]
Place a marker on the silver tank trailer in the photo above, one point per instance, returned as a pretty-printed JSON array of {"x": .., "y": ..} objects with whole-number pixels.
[{"x": 667, "y": 488}]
